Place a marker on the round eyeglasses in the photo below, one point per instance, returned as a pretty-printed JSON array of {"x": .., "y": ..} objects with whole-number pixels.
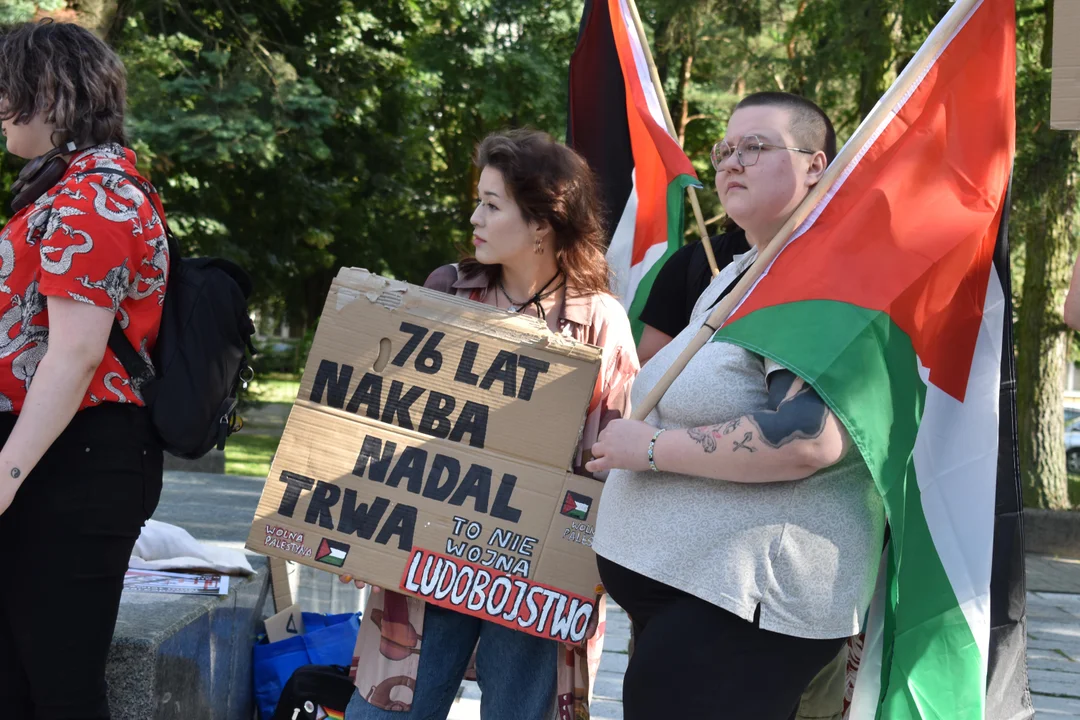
[{"x": 747, "y": 151}]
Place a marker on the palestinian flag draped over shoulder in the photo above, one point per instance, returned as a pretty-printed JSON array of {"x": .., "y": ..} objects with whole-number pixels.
[
  {"x": 617, "y": 124},
  {"x": 891, "y": 306}
]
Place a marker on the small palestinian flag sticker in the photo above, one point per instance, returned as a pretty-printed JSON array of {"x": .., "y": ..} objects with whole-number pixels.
[
  {"x": 576, "y": 506},
  {"x": 332, "y": 552}
]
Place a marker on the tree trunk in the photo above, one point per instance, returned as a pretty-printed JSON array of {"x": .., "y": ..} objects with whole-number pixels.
[
  {"x": 684, "y": 101},
  {"x": 662, "y": 46},
  {"x": 1042, "y": 352},
  {"x": 1047, "y": 209}
]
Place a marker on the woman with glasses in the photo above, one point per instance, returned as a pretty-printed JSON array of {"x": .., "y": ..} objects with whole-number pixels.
[
  {"x": 685, "y": 275},
  {"x": 739, "y": 527}
]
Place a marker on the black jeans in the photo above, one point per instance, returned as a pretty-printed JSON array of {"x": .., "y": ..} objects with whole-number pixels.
[
  {"x": 64, "y": 546},
  {"x": 692, "y": 659}
]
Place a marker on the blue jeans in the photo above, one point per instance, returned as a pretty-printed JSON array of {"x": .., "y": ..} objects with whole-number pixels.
[{"x": 516, "y": 672}]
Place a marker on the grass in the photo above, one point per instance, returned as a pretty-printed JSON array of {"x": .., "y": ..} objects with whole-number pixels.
[
  {"x": 1074, "y": 490},
  {"x": 273, "y": 388},
  {"x": 250, "y": 451},
  {"x": 247, "y": 454}
]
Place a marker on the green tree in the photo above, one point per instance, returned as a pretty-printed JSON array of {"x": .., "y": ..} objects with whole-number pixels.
[{"x": 299, "y": 137}]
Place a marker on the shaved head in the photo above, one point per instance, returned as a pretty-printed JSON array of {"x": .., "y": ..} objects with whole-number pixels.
[{"x": 810, "y": 126}]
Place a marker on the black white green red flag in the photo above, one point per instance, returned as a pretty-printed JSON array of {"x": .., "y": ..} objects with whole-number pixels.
[
  {"x": 616, "y": 122},
  {"x": 892, "y": 307}
]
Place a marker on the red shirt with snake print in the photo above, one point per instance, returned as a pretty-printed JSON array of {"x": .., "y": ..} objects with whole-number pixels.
[{"x": 94, "y": 239}]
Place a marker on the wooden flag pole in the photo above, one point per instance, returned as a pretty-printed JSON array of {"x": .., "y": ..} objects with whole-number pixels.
[
  {"x": 691, "y": 191},
  {"x": 911, "y": 75}
]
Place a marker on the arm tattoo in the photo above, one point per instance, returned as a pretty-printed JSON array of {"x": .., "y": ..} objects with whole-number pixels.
[
  {"x": 704, "y": 437},
  {"x": 801, "y": 416},
  {"x": 707, "y": 436},
  {"x": 787, "y": 418},
  {"x": 16, "y": 473},
  {"x": 744, "y": 444}
]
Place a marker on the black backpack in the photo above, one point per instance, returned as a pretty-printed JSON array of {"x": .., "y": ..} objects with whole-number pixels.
[
  {"x": 313, "y": 688},
  {"x": 201, "y": 349}
]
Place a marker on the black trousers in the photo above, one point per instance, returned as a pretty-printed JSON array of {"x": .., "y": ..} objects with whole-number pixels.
[
  {"x": 693, "y": 659},
  {"x": 64, "y": 546}
]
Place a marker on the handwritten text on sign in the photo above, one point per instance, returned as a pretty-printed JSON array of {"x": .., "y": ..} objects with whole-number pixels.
[
  {"x": 510, "y": 601},
  {"x": 440, "y": 417},
  {"x": 426, "y": 423}
]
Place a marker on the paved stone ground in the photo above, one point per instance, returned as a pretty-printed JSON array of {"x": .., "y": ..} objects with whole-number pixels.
[
  {"x": 225, "y": 505},
  {"x": 1053, "y": 611},
  {"x": 1053, "y": 648},
  {"x": 607, "y": 697}
]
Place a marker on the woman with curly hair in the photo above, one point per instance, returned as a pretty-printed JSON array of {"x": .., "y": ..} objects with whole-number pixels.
[{"x": 538, "y": 242}]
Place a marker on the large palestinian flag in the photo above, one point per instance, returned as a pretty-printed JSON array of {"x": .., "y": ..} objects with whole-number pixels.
[
  {"x": 892, "y": 308},
  {"x": 617, "y": 124}
]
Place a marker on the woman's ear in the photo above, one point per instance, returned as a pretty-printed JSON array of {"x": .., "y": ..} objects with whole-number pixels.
[
  {"x": 542, "y": 228},
  {"x": 814, "y": 173}
]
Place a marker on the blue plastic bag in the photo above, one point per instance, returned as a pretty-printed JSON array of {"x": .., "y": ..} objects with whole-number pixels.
[{"x": 327, "y": 640}]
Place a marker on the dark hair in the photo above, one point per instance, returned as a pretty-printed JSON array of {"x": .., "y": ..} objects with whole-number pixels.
[
  {"x": 550, "y": 182},
  {"x": 70, "y": 76},
  {"x": 809, "y": 123}
]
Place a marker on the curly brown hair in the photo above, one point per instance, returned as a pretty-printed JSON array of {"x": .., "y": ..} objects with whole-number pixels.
[
  {"x": 550, "y": 182},
  {"x": 70, "y": 76}
]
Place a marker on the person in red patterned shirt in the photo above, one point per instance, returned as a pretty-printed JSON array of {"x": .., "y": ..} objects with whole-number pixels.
[{"x": 80, "y": 469}]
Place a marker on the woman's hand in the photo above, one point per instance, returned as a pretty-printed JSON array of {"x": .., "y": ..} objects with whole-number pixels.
[
  {"x": 360, "y": 584},
  {"x": 624, "y": 444}
]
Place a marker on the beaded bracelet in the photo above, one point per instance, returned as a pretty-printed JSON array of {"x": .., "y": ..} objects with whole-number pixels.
[{"x": 652, "y": 450}]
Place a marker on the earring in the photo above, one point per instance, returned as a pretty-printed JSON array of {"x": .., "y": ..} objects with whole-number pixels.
[{"x": 539, "y": 249}]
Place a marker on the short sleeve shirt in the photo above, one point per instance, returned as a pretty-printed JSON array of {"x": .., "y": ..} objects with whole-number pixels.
[
  {"x": 805, "y": 553},
  {"x": 92, "y": 238},
  {"x": 683, "y": 278}
]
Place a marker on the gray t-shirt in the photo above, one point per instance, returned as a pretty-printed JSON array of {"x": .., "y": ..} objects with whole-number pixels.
[{"x": 806, "y": 551}]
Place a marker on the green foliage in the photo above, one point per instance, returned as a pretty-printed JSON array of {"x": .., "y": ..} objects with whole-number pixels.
[
  {"x": 297, "y": 137},
  {"x": 15, "y": 11},
  {"x": 276, "y": 355}
]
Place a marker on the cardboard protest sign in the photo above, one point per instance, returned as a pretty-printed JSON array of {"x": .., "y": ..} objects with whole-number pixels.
[
  {"x": 1065, "y": 78},
  {"x": 427, "y": 452},
  {"x": 285, "y": 624}
]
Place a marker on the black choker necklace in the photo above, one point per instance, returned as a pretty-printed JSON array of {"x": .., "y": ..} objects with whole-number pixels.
[{"x": 542, "y": 294}]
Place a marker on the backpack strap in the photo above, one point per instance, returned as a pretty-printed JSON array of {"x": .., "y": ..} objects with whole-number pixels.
[{"x": 134, "y": 363}]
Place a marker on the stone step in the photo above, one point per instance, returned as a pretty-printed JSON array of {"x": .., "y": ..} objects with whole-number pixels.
[{"x": 179, "y": 657}]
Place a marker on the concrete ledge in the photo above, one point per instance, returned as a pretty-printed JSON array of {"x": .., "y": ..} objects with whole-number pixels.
[
  {"x": 218, "y": 509},
  {"x": 179, "y": 657},
  {"x": 1052, "y": 532}
]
